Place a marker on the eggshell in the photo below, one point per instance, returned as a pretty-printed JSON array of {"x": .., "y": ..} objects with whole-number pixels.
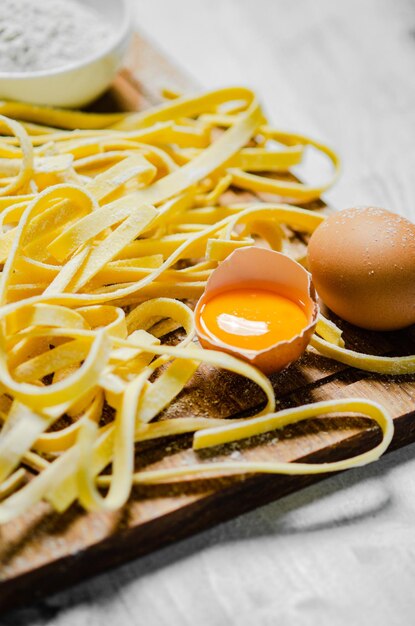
[
  {"x": 254, "y": 265},
  {"x": 362, "y": 261}
]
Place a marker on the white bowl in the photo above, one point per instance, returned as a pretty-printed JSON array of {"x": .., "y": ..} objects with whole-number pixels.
[{"x": 81, "y": 82}]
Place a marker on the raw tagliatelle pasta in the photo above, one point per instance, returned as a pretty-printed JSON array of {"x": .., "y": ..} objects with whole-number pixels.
[{"x": 108, "y": 222}]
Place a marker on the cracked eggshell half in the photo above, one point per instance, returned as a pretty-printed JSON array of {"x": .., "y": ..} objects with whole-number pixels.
[{"x": 272, "y": 270}]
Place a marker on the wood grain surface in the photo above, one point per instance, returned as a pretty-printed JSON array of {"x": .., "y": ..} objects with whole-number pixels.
[{"x": 44, "y": 552}]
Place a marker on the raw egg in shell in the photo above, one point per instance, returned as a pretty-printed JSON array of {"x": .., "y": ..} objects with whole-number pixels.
[
  {"x": 362, "y": 261},
  {"x": 258, "y": 305}
]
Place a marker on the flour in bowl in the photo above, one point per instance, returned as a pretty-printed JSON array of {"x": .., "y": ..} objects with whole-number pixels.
[{"x": 48, "y": 34}]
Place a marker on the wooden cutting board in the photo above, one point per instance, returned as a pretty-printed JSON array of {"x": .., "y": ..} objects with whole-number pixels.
[{"x": 43, "y": 552}]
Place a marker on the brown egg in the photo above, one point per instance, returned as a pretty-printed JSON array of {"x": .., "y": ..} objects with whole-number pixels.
[{"x": 362, "y": 261}]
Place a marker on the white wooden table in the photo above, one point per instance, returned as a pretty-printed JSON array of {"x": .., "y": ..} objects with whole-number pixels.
[{"x": 341, "y": 552}]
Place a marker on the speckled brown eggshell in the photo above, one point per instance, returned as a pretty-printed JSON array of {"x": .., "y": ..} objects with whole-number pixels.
[{"x": 362, "y": 261}]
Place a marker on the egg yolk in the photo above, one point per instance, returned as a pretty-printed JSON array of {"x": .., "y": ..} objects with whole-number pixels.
[{"x": 253, "y": 319}]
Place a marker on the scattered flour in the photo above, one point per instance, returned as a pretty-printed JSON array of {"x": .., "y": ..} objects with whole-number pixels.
[{"x": 47, "y": 34}]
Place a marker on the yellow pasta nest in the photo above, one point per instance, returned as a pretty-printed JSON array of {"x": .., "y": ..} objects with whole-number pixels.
[{"x": 108, "y": 222}]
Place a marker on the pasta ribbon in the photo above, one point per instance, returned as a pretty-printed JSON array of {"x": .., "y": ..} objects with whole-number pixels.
[{"x": 223, "y": 434}]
